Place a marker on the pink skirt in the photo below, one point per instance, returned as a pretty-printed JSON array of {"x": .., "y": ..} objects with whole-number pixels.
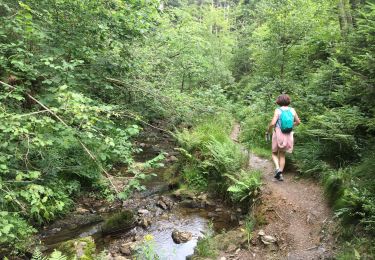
[{"x": 281, "y": 141}]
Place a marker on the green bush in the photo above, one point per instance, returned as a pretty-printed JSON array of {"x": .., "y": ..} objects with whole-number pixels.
[
  {"x": 331, "y": 135},
  {"x": 206, "y": 246},
  {"x": 14, "y": 232},
  {"x": 194, "y": 178},
  {"x": 253, "y": 128},
  {"x": 245, "y": 185},
  {"x": 210, "y": 154},
  {"x": 222, "y": 157},
  {"x": 216, "y": 127}
]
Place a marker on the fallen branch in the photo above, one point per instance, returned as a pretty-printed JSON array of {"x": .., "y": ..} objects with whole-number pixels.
[
  {"x": 158, "y": 95},
  {"x": 277, "y": 214},
  {"x": 132, "y": 116}
]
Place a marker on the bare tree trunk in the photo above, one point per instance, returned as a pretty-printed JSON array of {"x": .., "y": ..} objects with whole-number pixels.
[
  {"x": 348, "y": 14},
  {"x": 282, "y": 67},
  {"x": 182, "y": 82},
  {"x": 345, "y": 16},
  {"x": 342, "y": 18}
]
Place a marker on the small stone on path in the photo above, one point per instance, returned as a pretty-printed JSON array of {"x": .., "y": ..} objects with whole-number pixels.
[
  {"x": 143, "y": 211},
  {"x": 231, "y": 248},
  {"x": 267, "y": 240}
]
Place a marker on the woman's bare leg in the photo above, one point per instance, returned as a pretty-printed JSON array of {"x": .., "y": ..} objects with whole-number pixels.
[
  {"x": 282, "y": 160},
  {"x": 275, "y": 158}
]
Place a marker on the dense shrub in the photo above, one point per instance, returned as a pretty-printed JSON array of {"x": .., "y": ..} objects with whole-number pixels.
[{"x": 210, "y": 154}]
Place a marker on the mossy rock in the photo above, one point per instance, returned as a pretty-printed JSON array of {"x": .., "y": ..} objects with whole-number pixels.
[
  {"x": 120, "y": 221},
  {"x": 183, "y": 194},
  {"x": 174, "y": 183},
  {"x": 233, "y": 237},
  {"x": 81, "y": 248}
]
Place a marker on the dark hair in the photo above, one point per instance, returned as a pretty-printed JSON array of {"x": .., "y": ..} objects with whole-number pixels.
[{"x": 283, "y": 100}]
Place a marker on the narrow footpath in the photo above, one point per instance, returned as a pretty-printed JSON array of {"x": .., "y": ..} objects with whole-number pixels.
[{"x": 294, "y": 211}]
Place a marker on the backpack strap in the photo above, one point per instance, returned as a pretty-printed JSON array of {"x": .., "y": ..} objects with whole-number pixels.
[{"x": 278, "y": 122}]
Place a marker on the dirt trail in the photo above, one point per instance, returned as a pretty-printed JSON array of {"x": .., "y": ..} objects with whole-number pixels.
[{"x": 295, "y": 212}]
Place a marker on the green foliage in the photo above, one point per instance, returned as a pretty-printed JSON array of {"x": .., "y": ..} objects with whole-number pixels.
[
  {"x": 334, "y": 132},
  {"x": 249, "y": 228},
  {"x": 48, "y": 155},
  {"x": 206, "y": 246},
  {"x": 147, "y": 250},
  {"x": 358, "y": 248},
  {"x": 139, "y": 175},
  {"x": 212, "y": 128},
  {"x": 70, "y": 249},
  {"x": 210, "y": 154},
  {"x": 223, "y": 157},
  {"x": 194, "y": 178},
  {"x": 56, "y": 255},
  {"x": 245, "y": 185},
  {"x": 254, "y": 126},
  {"x": 13, "y": 229},
  {"x": 334, "y": 186}
]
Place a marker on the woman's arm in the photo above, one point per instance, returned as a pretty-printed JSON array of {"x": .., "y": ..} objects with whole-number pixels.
[{"x": 273, "y": 121}]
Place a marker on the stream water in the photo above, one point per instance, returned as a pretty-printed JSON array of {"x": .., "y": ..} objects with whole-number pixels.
[{"x": 191, "y": 217}]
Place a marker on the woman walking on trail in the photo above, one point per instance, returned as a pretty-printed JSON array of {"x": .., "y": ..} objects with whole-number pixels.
[{"x": 283, "y": 120}]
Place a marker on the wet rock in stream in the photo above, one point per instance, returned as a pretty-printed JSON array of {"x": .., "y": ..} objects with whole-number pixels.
[
  {"x": 128, "y": 248},
  {"x": 121, "y": 221},
  {"x": 145, "y": 222},
  {"x": 182, "y": 194},
  {"x": 165, "y": 203},
  {"x": 181, "y": 236}
]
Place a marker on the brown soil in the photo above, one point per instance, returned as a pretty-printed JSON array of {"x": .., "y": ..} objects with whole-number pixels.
[{"x": 294, "y": 211}]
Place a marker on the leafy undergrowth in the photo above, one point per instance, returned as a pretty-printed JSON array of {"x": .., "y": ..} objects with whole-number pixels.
[
  {"x": 206, "y": 245},
  {"x": 213, "y": 162}
]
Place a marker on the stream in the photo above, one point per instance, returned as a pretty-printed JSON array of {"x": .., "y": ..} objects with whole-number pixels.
[{"x": 159, "y": 210}]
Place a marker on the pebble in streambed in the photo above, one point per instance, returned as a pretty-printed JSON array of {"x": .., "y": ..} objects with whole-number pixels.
[{"x": 177, "y": 239}]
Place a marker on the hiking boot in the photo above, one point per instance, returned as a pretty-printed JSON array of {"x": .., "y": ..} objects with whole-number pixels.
[
  {"x": 277, "y": 174},
  {"x": 280, "y": 177}
]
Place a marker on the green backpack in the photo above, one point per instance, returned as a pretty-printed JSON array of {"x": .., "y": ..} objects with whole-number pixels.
[{"x": 286, "y": 120}]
